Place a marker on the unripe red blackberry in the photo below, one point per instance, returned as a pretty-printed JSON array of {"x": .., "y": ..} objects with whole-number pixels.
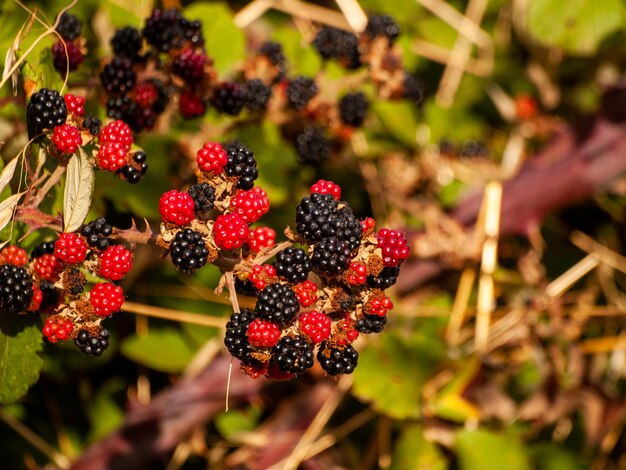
[
  {"x": 293, "y": 354},
  {"x": 315, "y": 326},
  {"x": 163, "y": 29},
  {"x": 230, "y": 231},
  {"x": 35, "y": 302},
  {"x": 212, "y": 158},
  {"x": 191, "y": 105},
  {"x": 14, "y": 255},
  {"x": 176, "y": 207},
  {"x": 47, "y": 267},
  {"x": 277, "y": 303},
  {"x": 356, "y": 274},
  {"x": 46, "y": 110},
  {"x": 111, "y": 156},
  {"x": 262, "y": 275},
  {"x": 203, "y": 195},
  {"x": 126, "y": 42},
  {"x": 257, "y": 95},
  {"x": 106, "y": 298},
  {"x": 66, "y": 55},
  {"x": 377, "y": 304},
  {"x": 327, "y": 187},
  {"x": 306, "y": 292},
  {"x": 189, "y": 65},
  {"x": 382, "y": 25},
  {"x": 115, "y": 263},
  {"x": 188, "y": 250},
  {"x": 229, "y": 98},
  {"x": 261, "y": 237},
  {"x": 69, "y": 26},
  {"x": 337, "y": 361},
  {"x": 367, "y": 324},
  {"x": 66, "y": 138},
  {"x": 263, "y": 334},
  {"x": 146, "y": 94},
  {"x": 57, "y": 328},
  {"x": 97, "y": 232},
  {"x": 117, "y": 132},
  {"x": 384, "y": 280},
  {"x": 92, "y": 345},
  {"x": 353, "y": 109},
  {"x": 312, "y": 146},
  {"x": 118, "y": 75},
  {"x": 339, "y": 45},
  {"x": 331, "y": 256},
  {"x": 16, "y": 289},
  {"x": 236, "y": 338},
  {"x": 293, "y": 264},
  {"x": 75, "y": 104},
  {"x": 251, "y": 205},
  {"x": 242, "y": 165},
  {"x": 300, "y": 90},
  {"x": 70, "y": 248},
  {"x": 393, "y": 245}
]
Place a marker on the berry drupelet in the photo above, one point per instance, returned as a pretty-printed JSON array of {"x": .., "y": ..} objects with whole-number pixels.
[
  {"x": 236, "y": 338},
  {"x": 331, "y": 256},
  {"x": 353, "y": 109},
  {"x": 242, "y": 165},
  {"x": 127, "y": 42},
  {"x": 312, "y": 146},
  {"x": 44, "y": 248},
  {"x": 188, "y": 250},
  {"x": 97, "y": 232},
  {"x": 384, "y": 280},
  {"x": 203, "y": 195},
  {"x": 293, "y": 354},
  {"x": 16, "y": 289},
  {"x": 337, "y": 361},
  {"x": 300, "y": 90},
  {"x": 371, "y": 324},
  {"x": 92, "y": 345},
  {"x": 46, "y": 110},
  {"x": 277, "y": 303},
  {"x": 293, "y": 264}
]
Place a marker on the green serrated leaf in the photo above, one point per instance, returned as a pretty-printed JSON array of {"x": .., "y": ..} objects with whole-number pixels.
[
  {"x": 163, "y": 349},
  {"x": 484, "y": 449},
  {"x": 414, "y": 452},
  {"x": 225, "y": 43},
  {"x": 78, "y": 190},
  {"x": 21, "y": 356}
]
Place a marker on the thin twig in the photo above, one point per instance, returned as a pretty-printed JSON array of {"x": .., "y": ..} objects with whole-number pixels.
[{"x": 174, "y": 315}]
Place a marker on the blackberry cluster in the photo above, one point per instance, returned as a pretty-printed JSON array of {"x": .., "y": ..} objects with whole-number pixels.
[
  {"x": 92, "y": 345},
  {"x": 118, "y": 75},
  {"x": 92, "y": 124},
  {"x": 353, "y": 109},
  {"x": 133, "y": 173},
  {"x": 16, "y": 289},
  {"x": 98, "y": 233},
  {"x": 371, "y": 324},
  {"x": 257, "y": 95},
  {"x": 188, "y": 250},
  {"x": 293, "y": 355},
  {"x": 164, "y": 29},
  {"x": 126, "y": 42},
  {"x": 236, "y": 339},
  {"x": 300, "y": 90},
  {"x": 386, "y": 278},
  {"x": 242, "y": 165},
  {"x": 293, "y": 264},
  {"x": 382, "y": 25},
  {"x": 230, "y": 98},
  {"x": 337, "y": 361},
  {"x": 192, "y": 32},
  {"x": 203, "y": 195},
  {"x": 46, "y": 110},
  {"x": 312, "y": 146},
  {"x": 336, "y": 44},
  {"x": 44, "y": 248},
  {"x": 273, "y": 51},
  {"x": 50, "y": 295},
  {"x": 69, "y": 27},
  {"x": 331, "y": 256},
  {"x": 277, "y": 303}
]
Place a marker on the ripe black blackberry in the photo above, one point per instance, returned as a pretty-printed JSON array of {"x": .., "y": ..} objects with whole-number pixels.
[
  {"x": 92, "y": 345},
  {"x": 293, "y": 354},
  {"x": 98, "y": 233},
  {"x": 16, "y": 289},
  {"x": 311, "y": 145},
  {"x": 50, "y": 295},
  {"x": 337, "y": 361},
  {"x": 300, "y": 90},
  {"x": 345, "y": 226},
  {"x": 130, "y": 174},
  {"x": 273, "y": 51},
  {"x": 331, "y": 256},
  {"x": 127, "y": 42},
  {"x": 353, "y": 109},
  {"x": 229, "y": 98},
  {"x": 133, "y": 173},
  {"x": 386, "y": 278},
  {"x": 293, "y": 264},
  {"x": 336, "y": 44},
  {"x": 370, "y": 324},
  {"x": 313, "y": 215},
  {"x": 413, "y": 90},
  {"x": 382, "y": 25},
  {"x": 236, "y": 339},
  {"x": 257, "y": 95},
  {"x": 92, "y": 124},
  {"x": 46, "y": 110},
  {"x": 277, "y": 303},
  {"x": 69, "y": 26},
  {"x": 192, "y": 32},
  {"x": 142, "y": 119},
  {"x": 118, "y": 75},
  {"x": 242, "y": 165},
  {"x": 122, "y": 107},
  {"x": 188, "y": 250},
  {"x": 44, "y": 248},
  {"x": 203, "y": 195},
  {"x": 140, "y": 158},
  {"x": 164, "y": 29}
]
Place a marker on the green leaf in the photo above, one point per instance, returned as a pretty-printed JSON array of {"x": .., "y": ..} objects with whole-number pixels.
[
  {"x": 553, "y": 457},
  {"x": 21, "y": 356},
  {"x": 392, "y": 371},
  {"x": 231, "y": 423},
  {"x": 414, "y": 452},
  {"x": 301, "y": 59},
  {"x": 399, "y": 119},
  {"x": 578, "y": 26},
  {"x": 225, "y": 43},
  {"x": 484, "y": 449},
  {"x": 104, "y": 413},
  {"x": 163, "y": 349}
]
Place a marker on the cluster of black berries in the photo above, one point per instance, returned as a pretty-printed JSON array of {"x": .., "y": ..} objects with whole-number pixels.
[
  {"x": 67, "y": 52},
  {"x": 16, "y": 289},
  {"x": 92, "y": 344}
]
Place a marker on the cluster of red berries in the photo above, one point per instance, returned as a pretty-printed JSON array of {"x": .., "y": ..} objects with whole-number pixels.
[
  {"x": 214, "y": 214},
  {"x": 53, "y": 283},
  {"x": 314, "y": 301}
]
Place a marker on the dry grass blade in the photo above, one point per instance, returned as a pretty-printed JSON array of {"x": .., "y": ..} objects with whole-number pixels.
[
  {"x": 174, "y": 315},
  {"x": 561, "y": 284},
  {"x": 601, "y": 252}
]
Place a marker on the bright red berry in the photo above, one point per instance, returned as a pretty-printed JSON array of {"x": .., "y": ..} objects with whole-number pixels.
[
  {"x": 350, "y": 334},
  {"x": 230, "y": 231},
  {"x": 70, "y": 248},
  {"x": 393, "y": 245},
  {"x": 212, "y": 158},
  {"x": 35, "y": 302},
  {"x": 106, "y": 298},
  {"x": 251, "y": 205},
  {"x": 115, "y": 262},
  {"x": 75, "y": 104},
  {"x": 112, "y": 156},
  {"x": 368, "y": 224},
  {"x": 525, "y": 107},
  {"x": 327, "y": 187},
  {"x": 191, "y": 105},
  {"x": 66, "y": 138},
  {"x": 117, "y": 132},
  {"x": 315, "y": 325},
  {"x": 378, "y": 304},
  {"x": 356, "y": 274},
  {"x": 263, "y": 334},
  {"x": 146, "y": 94},
  {"x": 254, "y": 370},
  {"x": 57, "y": 328},
  {"x": 176, "y": 207},
  {"x": 47, "y": 267},
  {"x": 306, "y": 292},
  {"x": 13, "y": 255},
  {"x": 262, "y": 275},
  {"x": 261, "y": 237}
]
